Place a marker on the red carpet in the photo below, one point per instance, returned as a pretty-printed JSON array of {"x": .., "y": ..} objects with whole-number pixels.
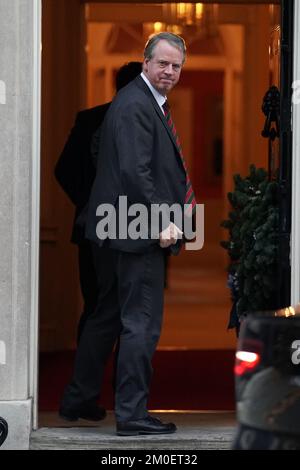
[{"x": 182, "y": 380}]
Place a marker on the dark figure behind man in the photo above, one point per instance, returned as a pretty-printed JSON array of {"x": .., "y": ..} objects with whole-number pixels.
[{"x": 75, "y": 172}]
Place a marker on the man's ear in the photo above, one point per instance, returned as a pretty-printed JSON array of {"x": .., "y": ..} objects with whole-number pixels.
[{"x": 145, "y": 65}]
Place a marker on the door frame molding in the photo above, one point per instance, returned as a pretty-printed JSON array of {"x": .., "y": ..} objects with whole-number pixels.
[
  {"x": 295, "y": 227},
  {"x": 35, "y": 209}
]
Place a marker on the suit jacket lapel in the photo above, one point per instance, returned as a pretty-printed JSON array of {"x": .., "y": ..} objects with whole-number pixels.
[{"x": 142, "y": 84}]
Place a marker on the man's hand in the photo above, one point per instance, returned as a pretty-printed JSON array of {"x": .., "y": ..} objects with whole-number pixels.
[{"x": 169, "y": 236}]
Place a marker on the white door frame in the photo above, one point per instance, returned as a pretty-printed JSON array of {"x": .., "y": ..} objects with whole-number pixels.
[
  {"x": 295, "y": 225},
  {"x": 35, "y": 209}
]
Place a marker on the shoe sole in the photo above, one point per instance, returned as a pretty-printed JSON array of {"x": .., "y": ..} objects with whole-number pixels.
[
  {"x": 67, "y": 418},
  {"x": 73, "y": 420},
  {"x": 142, "y": 433},
  {"x": 86, "y": 418}
]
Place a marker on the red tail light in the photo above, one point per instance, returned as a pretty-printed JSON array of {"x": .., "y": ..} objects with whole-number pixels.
[{"x": 245, "y": 361}]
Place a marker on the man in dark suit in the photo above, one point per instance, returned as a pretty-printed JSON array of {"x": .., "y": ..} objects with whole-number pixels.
[
  {"x": 141, "y": 160},
  {"x": 75, "y": 172}
]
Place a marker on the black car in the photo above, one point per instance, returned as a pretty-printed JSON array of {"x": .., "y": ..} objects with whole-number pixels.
[{"x": 267, "y": 372}]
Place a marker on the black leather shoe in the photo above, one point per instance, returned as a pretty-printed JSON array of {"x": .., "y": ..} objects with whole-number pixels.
[
  {"x": 149, "y": 425},
  {"x": 88, "y": 412}
]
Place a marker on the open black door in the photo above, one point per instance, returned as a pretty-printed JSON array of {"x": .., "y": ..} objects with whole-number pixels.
[
  {"x": 277, "y": 105},
  {"x": 285, "y": 145}
]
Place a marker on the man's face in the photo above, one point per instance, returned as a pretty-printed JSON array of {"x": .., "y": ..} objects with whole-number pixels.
[{"x": 163, "y": 70}]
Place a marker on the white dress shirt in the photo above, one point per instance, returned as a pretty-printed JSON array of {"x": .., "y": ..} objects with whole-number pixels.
[
  {"x": 158, "y": 97},
  {"x": 172, "y": 231}
]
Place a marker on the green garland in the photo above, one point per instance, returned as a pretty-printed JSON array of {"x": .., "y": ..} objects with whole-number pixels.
[{"x": 253, "y": 242}]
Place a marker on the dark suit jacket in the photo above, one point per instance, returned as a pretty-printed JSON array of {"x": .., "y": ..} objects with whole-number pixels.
[
  {"x": 139, "y": 159},
  {"x": 75, "y": 170}
]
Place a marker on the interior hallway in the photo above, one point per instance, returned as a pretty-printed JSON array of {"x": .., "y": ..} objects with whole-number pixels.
[
  {"x": 197, "y": 306},
  {"x": 195, "y": 356}
]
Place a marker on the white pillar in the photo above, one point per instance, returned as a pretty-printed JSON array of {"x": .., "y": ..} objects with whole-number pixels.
[
  {"x": 295, "y": 229},
  {"x": 19, "y": 219}
]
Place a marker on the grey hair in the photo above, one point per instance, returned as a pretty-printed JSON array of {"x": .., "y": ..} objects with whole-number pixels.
[{"x": 171, "y": 38}]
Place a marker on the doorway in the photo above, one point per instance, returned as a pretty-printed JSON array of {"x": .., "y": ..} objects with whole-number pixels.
[{"x": 219, "y": 121}]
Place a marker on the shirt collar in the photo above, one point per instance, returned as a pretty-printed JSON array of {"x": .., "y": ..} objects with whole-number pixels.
[{"x": 158, "y": 97}]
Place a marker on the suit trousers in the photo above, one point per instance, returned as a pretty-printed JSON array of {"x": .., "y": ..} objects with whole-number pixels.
[
  {"x": 88, "y": 283},
  {"x": 129, "y": 306}
]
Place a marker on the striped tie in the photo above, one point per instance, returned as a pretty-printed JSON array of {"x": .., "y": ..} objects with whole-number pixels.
[{"x": 190, "y": 195}]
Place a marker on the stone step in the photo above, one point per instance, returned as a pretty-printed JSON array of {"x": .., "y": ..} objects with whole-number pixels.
[{"x": 196, "y": 431}]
